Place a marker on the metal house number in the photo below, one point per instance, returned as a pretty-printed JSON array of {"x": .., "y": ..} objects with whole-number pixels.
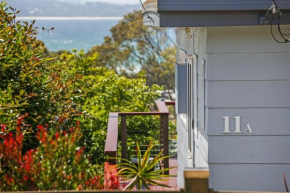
[{"x": 227, "y": 130}]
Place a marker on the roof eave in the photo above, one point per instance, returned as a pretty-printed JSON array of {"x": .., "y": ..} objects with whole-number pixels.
[{"x": 215, "y": 18}]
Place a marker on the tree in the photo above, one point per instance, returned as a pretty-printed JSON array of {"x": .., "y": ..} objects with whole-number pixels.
[
  {"x": 100, "y": 91},
  {"x": 58, "y": 91},
  {"x": 133, "y": 48}
]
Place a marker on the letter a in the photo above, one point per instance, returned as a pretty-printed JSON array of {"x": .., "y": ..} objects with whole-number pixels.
[{"x": 248, "y": 129}]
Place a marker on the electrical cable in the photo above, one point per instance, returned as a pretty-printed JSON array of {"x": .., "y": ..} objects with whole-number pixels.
[
  {"x": 279, "y": 28},
  {"x": 273, "y": 33},
  {"x": 276, "y": 11}
]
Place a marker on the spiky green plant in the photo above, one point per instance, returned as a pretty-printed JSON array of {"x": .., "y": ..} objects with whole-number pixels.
[{"x": 142, "y": 174}]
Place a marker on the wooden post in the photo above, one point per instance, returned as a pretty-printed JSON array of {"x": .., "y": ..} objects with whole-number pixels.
[
  {"x": 196, "y": 180},
  {"x": 165, "y": 140},
  {"x": 111, "y": 147},
  {"x": 124, "y": 137},
  {"x": 161, "y": 133}
]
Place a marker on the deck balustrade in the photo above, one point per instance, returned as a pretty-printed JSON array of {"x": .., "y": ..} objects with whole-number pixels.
[{"x": 111, "y": 147}]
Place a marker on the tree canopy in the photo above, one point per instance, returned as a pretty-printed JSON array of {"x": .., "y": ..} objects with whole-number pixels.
[
  {"x": 71, "y": 86},
  {"x": 133, "y": 48}
]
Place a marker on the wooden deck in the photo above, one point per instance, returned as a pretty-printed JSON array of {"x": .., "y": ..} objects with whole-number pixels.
[
  {"x": 172, "y": 180},
  {"x": 111, "y": 170}
]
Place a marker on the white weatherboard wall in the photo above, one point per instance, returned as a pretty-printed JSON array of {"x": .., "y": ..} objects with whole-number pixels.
[
  {"x": 241, "y": 71},
  {"x": 248, "y": 75}
]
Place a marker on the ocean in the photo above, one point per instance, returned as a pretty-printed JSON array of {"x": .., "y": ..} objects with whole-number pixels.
[{"x": 73, "y": 33}]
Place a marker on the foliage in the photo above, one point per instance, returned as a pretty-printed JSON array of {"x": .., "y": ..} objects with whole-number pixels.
[
  {"x": 20, "y": 64},
  {"x": 142, "y": 174},
  {"x": 133, "y": 47},
  {"x": 28, "y": 84},
  {"x": 65, "y": 88},
  {"x": 100, "y": 91},
  {"x": 44, "y": 149},
  {"x": 58, "y": 163}
]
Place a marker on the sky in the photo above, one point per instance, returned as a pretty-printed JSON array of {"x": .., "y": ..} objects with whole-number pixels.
[{"x": 109, "y": 1}]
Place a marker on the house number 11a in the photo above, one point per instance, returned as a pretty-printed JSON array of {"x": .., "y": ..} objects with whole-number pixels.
[{"x": 227, "y": 130}]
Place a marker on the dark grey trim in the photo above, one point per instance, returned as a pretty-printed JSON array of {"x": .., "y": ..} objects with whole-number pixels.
[
  {"x": 215, "y": 18},
  {"x": 219, "y": 5},
  {"x": 181, "y": 88}
]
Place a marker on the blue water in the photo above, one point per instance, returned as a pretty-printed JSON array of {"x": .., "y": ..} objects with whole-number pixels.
[
  {"x": 71, "y": 34},
  {"x": 76, "y": 34}
]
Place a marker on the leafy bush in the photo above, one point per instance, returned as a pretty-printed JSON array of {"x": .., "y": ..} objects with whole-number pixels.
[
  {"x": 28, "y": 84},
  {"x": 56, "y": 92},
  {"x": 100, "y": 91},
  {"x": 60, "y": 90},
  {"x": 58, "y": 163}
]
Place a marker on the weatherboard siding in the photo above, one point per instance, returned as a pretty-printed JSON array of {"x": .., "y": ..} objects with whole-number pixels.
[
  {"x": 256, "y": 177},
  {"x": 241, "y": 71},
  {"x": 249, "y": 94},
  {"x": 184, "y": 160},
  {"x": 248, "y": 76}
]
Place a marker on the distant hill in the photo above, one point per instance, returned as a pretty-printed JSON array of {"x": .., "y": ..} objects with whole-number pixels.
[{"x": 56, "y": 8}]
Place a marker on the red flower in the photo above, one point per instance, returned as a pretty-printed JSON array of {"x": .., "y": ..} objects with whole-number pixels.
[
  {"x": 18, "y": 128},
  {"x": 40, "y": 127},
  {"x": 43, "y": 133},
  {"x": 19, "y": 138},
  {"x": 19, "y": 120},
  {"x": 56, "y": 135},
  {"x": 69, "y": 177},
  {"x": 78, "y": 123},
  {"x": 10, "y": 135},
  {"x": 3, "y": 127}
]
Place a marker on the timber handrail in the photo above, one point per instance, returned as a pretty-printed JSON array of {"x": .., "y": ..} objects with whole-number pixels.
[{"x": 111, "y": 146}]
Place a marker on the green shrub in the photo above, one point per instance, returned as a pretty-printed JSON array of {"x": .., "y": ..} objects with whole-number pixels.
[
  {"x": 58, "y": 163},
  {"x": 58, "y": 91}
]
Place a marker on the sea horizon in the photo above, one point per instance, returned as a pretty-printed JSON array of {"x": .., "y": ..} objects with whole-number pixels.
[
  {"x": 78, "y": 33},
  {"x": 67, "y": 18}
]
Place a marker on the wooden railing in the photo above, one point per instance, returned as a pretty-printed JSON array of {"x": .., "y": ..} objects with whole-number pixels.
[{"x": 111, "y": 147}]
